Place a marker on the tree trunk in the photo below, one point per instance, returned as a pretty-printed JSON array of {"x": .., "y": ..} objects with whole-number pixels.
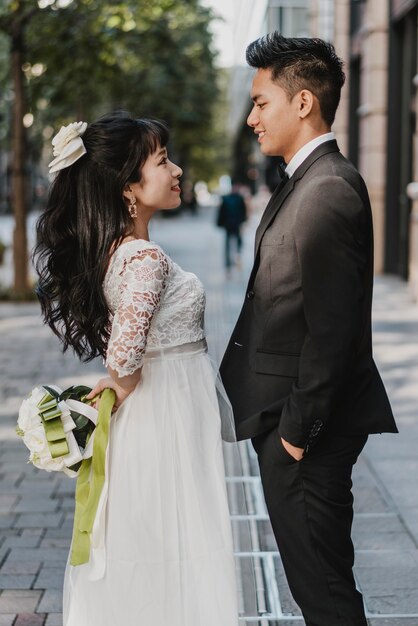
[{"x": 18, "y": 175}]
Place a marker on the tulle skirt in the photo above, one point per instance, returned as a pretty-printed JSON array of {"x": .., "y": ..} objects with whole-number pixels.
[{"x": 167, "y": 556}]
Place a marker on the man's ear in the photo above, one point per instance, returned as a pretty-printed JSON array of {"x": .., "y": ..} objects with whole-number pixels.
[{"x": 305, "y": 102}]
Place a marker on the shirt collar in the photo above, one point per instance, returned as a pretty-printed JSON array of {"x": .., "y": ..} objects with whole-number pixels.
[{"x": 305, "y": 151}]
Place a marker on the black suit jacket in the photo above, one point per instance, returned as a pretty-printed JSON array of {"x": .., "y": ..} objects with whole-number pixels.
[{"x": 300, "y": 355}]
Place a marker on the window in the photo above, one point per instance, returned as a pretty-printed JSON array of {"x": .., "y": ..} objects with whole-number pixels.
[
  {"x": 290, "y": 18},
  {"x": 356, "y": 15}
]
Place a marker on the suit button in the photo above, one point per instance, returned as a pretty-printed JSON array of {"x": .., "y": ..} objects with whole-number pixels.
[
  {"x": 250, "y": 294},
  {"x": 316, "y": 428}
]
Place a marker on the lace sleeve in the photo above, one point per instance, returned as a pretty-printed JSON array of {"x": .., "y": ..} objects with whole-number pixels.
[{"x": 144, "y": 274}]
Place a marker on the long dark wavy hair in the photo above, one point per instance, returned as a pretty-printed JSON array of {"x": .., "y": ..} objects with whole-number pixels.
[{"x": 86, "y": 218}]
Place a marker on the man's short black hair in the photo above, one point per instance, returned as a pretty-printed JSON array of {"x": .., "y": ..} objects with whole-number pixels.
[{"x": 301, "y": 63}]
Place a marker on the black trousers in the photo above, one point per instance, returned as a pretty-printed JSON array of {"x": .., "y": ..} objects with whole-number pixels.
[
  {"x": 232, "y": 233},
  {"x": 311, "y": 511}
]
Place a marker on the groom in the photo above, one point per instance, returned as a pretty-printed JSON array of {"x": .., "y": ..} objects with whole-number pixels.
[{"x": 298, "y": 368}]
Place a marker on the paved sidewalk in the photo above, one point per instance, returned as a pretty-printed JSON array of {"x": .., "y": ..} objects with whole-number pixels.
[{"x": 36, "y": 507}]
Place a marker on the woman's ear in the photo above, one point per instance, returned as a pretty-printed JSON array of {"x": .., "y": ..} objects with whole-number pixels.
[{"x": 127, "y": 192}]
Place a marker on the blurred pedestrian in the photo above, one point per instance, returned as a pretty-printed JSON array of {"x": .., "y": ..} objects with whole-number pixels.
[
  {"x": 299, "y": 368},
  {"x": 232, "y": 213},
  {"x": 165, "y": 556}
]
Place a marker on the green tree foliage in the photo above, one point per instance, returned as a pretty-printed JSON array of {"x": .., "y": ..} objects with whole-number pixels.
[
  {"x": 68, "y": 60},
  {"x": 151, "y": 57}
]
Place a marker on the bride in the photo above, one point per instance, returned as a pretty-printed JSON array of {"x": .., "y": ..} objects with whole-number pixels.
[{"x": 161, "y": 547}]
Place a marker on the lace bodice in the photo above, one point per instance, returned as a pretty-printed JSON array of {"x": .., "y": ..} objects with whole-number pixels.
[{"x": 153, "y": 302}]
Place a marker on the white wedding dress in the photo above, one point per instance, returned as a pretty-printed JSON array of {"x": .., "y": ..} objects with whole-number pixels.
[{"x": 161, "y": 544}]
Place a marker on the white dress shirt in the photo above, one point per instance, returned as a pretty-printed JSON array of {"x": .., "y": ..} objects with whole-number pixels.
[{"x": 305, "y": 151}]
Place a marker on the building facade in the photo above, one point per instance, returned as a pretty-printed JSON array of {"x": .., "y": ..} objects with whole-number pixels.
[{"x": 377, "y": 124}]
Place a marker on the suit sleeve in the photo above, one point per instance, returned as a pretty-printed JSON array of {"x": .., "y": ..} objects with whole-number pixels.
[{"x": 333, "y": 242}]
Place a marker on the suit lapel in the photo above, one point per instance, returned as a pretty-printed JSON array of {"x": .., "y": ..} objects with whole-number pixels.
[
  {"x": 282, "y": 191},
  {"x": 279, "y": 195}
]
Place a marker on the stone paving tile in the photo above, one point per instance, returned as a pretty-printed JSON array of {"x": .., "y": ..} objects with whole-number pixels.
[
  {"x": 378, "y": 532},
  {"x": 405, "y": 447},
  {"x": 14, "y": 461},
  {"x": 32, "y": 532},
  {"x": 399, "y": 601},
  {"x": 50, "y": 577},
  {"x": 7, "y": 502},
  {"x": 66, "y": 488},
  {"x": 22, "y": 541},
  {"x": 68, "y": 520},
  {"x": 10, "y": 532},
  {"x": 39, "y": 520},
  {"x": 392, "y": 621},
  {"x": 19, "y": 601},
  {"x": 35, "y": 505},
  {"x": 7, "y": 619},
  {"x": 51, "y": 601},
  {"x": 3, "y": 555},
  {"x": 66, "y": 502},
  {"x": 30, "y": 619},
  {"x": 10, "y": 480},
  {"x": 368, "y": 498},
  {"x": 54, "y": 619},
  {"x": 388, "y": 580},
  {"x": 34, "y": 478},
  {"x": 280, "y": 622},
  {"x": 16, "y": 581},
  {"x": 7, "y": 520},
  {"x": 56, "y": 542},
  {"x": 15, "y": 449},
  {"x": 58, "y": 533},
  {"x": 399, "y": 475},
  {"x": 36, "y": 554},
  {"x": 23, "y": 567},
  {"x": 410, "y": 517},
  {"x": 388, "y": 569},
  {"x": 28, "y": 490}
]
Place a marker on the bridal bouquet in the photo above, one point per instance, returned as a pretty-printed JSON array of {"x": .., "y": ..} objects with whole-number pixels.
[
  {"x": 64, "y": 433},
  {"x": 56, "y": 427}
]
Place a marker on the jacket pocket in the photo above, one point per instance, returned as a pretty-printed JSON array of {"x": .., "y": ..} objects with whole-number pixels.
[
  {"x": 278, "y": 364},
  {"x": 272, "y": 239}
]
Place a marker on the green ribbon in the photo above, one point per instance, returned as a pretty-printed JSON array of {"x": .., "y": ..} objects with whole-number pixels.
[
  {"x": 53, "y": 426},
  {"x": 90, "y": 482}
]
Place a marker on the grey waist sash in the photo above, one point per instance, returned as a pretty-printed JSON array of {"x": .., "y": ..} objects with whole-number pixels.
[{"x": 172, "y": 352}]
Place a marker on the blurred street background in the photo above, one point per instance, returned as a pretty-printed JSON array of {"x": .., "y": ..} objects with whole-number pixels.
[{"x": 184, "y": 62}]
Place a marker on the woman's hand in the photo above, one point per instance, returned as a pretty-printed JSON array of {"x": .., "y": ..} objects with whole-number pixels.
[{"x": 108, "y": 383}]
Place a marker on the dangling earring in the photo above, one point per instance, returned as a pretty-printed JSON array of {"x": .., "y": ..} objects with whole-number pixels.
[{"x": 132, "y": 207}]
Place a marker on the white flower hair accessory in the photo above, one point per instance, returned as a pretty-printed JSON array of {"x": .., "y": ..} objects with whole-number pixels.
[{"x": 68, "y": 146}]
